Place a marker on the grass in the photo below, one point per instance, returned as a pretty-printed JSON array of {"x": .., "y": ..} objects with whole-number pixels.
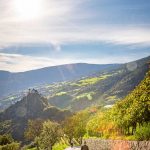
[
  {"x": 89, "y": 96},
  {"x": 59, "y": 146},
  {"x": 90, "y": 81},
  {"x": 32, "y": 148},
  {"x": 112, "y": 98},
  {"x": 61, "y": 93}
]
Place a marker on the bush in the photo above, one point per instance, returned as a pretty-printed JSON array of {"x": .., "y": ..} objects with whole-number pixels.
[
  {"x": 143, "y": 132},
  {"x": 59, "y": 146},
  {"x": 12, "y": 146},
  {"x": 131, "y": 138},
  {"x": 5, "y": 139}
]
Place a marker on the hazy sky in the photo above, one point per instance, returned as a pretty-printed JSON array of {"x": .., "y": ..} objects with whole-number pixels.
[{"x": 39, "y": 33}]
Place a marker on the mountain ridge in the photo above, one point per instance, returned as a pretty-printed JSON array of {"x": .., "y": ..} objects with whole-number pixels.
[
  {"x": 12, "y": 82},
  {"x": 106, "y": 85},
  {"x": 102, "y": 88}
]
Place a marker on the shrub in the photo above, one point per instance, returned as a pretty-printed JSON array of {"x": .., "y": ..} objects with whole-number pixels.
[
  {"x": 143, "y": 132},
  {"x": 59, "y": 146},
  {"x": 130, "y": 138},
  {"x": 12, "y": 146},
  {"x": 5, "y": 139}
]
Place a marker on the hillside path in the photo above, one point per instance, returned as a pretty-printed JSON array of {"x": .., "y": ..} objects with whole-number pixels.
[{"x": 74, "y": 148}]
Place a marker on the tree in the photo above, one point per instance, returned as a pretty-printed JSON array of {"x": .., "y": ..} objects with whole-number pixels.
[
  {"x": 8, "y": 143},
  {"x": 68, "y": 127},
  {"x": 101, "y": 124},
  {"x": 75, "y": 126},
  {"x": 134, "y": 109},
  {"x": 6, "y": 139},
  {"x": 128, "y": 116},
  {"x": 50, "y": 134},
  {"x": 34, "y": 129}
]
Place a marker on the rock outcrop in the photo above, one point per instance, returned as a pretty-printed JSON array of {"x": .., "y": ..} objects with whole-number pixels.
[{"x": 32, "y": 106}]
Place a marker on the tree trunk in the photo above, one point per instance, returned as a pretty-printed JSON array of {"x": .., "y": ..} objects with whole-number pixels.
[
  {"x": 80, "y": 140},
  {"x": 132, "y": 130},
  {"x": 128, "y": 130},
  {"x": 70, "y": 141},
  {"x": 37, "y": 147},
  {"x": 50, "y": 147}
]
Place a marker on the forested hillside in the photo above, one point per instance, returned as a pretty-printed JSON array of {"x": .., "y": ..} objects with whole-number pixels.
[
  {"x": 130, "y": 116},
  {"x": 128, "y": 119},
  {"x": 103, "y": 88}
]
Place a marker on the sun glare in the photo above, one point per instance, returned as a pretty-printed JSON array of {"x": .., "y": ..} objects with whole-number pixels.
[{"x": 28, "y": 9}]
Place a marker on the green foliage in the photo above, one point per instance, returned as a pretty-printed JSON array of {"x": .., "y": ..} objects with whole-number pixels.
[
  {"x": 112, "y": 98},
  {"x": 5, "y": 125},
  {"x": 32, "y": 148},
  {"x": 50, "y": 134},
  {"x": 12, "y": 146},
  {"x": 127, "y": 117},
  {"x": 59, "y": 146},
  {"x": 75, "y": 126},
  {"x": 90, "y": 81},
  {"x": 135, "y": 108},
  {"x": 6, "y": 139},
  {"x": 130, "y": 138},
  {"x": 88, "y": 96},
  {"x": 61, "y": 93},
  {"x": 34, "y": 129},
  {"x": 60, "y": 100},
  {"x": 7, "y": 143},
  {"x": 143, "y": 132},
  {"x": 101, "y": 125}
]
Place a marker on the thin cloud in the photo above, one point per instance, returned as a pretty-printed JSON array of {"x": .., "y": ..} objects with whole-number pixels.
[
  {"x": 20, "y": 63},
  {"x": 72, "y": 21}
]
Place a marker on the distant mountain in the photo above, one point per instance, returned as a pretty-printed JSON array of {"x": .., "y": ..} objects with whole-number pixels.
[
  {"x": 102, "y": 88},
  {"x": 32, "y": 106},
  {"x": 12, "y": 82}
]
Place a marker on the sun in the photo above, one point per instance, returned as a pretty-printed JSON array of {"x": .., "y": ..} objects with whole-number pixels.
[{"x": 28, "y": 9}]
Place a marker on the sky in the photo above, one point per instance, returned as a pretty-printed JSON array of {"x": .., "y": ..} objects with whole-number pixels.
[{"x": 41, "y": 33}]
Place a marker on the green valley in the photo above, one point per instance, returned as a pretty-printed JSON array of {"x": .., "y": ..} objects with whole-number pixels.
[{"x": 101, "y": 88}]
